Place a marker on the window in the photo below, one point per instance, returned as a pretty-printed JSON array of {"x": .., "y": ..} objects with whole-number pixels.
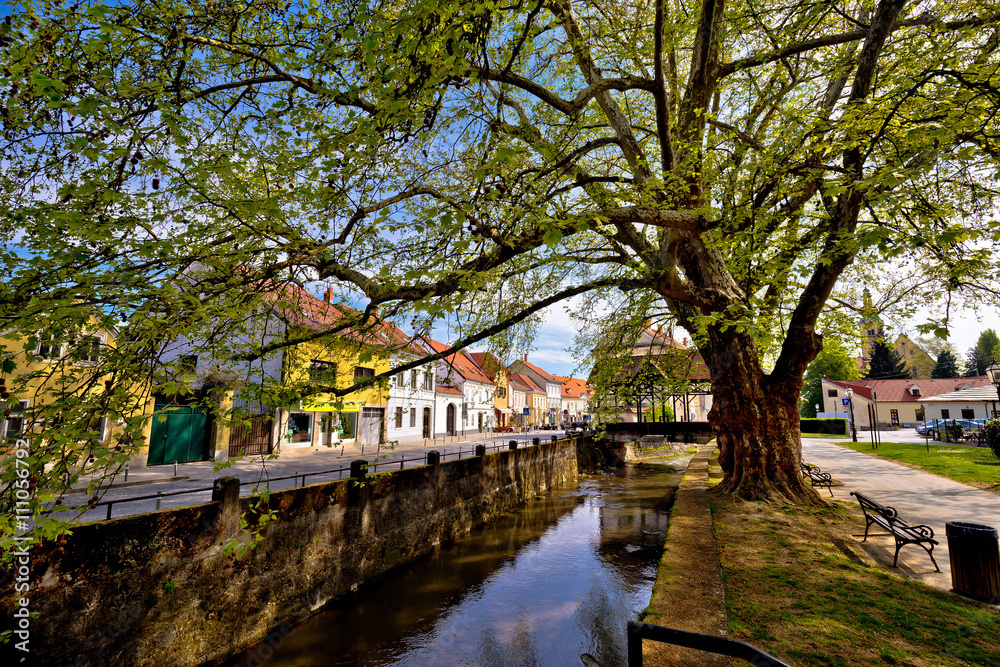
[
  {"x": 49, "y": 348},
  {"x": 188, "y": 362},
  {"x": 399, "y": 417},
  {"x": 399, "y": 379},
  {"x": 413, "y": 417},
  {"x": 87, "y": 348},
  {"x": 968, "y": 414},
  {"x": 501, "y": 392},
  {"x": 832, "y": 393},
  {"x": 322, "y": 372},
  {"x": 894, "y": 417},
  {"x": 413, "y": 378},
  {"x": 919, "y": 415},
  {"x": 428, "y": 382},
  {"x": 13, "y": 424},
  {"x": 362, "y": 372},
  {"x": 945, "y": 413}
]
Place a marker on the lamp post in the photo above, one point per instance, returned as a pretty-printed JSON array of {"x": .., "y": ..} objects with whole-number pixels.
[
  {"x": 850, "y": 402},
  {"x": 993, "y": 372}
]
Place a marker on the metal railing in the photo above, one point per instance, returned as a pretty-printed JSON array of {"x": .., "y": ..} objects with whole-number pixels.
[
  {"x": 709, "y": 643},
  {"x": 371, "y": 467}
]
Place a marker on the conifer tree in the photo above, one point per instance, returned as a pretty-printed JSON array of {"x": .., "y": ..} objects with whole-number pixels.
[
  {"x": 886, "y": 364},
  {"x": 947, "y": 365}
]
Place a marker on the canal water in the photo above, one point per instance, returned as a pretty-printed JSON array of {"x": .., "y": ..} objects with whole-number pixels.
[{"x": 541, "y": 586}]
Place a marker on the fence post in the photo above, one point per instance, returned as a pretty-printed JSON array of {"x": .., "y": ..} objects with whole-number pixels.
[
  {"x": 555, "y": 438},
  {"x": 512, "y": 444},
  {"x": 226, "y": 492},
  {"x": 480, "y": 450},
  {"x": 358, "y": 468},
  {"x": 433, "y": 458},
  {"x": 634, "y": 645},
  {"x": 536, "y": 441}
]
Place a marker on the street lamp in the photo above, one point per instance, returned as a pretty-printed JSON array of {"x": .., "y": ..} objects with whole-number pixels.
[
  {"x": 850, "y": 401},
  {"x": 993, "y": 372}
]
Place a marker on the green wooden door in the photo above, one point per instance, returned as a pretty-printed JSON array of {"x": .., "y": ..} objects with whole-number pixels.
[{"x": 180, "y": 433}]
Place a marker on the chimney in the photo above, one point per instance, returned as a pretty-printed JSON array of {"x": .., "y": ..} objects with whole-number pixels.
[
  {"x": 328, "y": 295},
  {"x": 525, "y": 357}
]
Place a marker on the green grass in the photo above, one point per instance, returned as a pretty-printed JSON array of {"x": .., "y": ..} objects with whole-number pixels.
[
  {"x": 791, "y": 591},
  {"x": 976, "y": 466}
]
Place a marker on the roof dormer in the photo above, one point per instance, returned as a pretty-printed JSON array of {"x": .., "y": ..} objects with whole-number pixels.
[{"x": 914, "y": 390}]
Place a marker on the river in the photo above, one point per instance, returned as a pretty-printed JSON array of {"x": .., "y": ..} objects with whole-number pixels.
[{"x": 540, "y": 586}]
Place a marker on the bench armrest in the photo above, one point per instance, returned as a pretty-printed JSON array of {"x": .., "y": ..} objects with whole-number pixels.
[{"x": 926, "y": 531}]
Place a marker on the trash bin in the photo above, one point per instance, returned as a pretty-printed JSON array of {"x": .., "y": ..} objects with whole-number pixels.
[{"x": 974, "y": 552}]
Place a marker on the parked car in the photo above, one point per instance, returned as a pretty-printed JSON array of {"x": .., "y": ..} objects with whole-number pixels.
[
  {"x": 576, "y": 428},
  {"x": 956, "y": 428}
]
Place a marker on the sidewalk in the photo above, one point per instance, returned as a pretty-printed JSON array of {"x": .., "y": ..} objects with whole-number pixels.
[
  {"x": 919, "y": 497},
  {"x": 292, "y": 458},
  {"x": 195, "y": 479}
]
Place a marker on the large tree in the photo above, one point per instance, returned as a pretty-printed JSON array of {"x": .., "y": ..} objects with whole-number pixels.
[
  {"x": 982, "y": 354},
  {"x": 719, "y": 163}
]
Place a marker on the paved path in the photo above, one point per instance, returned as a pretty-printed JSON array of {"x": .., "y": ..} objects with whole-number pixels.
[
  {"x": 919, "y": 497},
  {"x": 291, "y": 461}
]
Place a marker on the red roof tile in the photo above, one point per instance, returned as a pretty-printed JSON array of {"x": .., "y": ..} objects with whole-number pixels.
[
  {"x": 448, "y": 390},
  {"x": 461, "y": 363},
  {"x": 898, "y": 391}
]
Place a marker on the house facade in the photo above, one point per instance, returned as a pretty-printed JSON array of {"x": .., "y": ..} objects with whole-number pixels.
[
  {"x": 458, "y": 371},
  {"x": 497, "y": 373},
  {"x": 897, "y": 402},
  {"x": 575, "y": 400},
  {"x": 973, "y": 403},
  {"x": 518, "y": 400},
  {"x": 412, "y": 393},
  {"x": 41, "y": 376},
  {"x": 548, "y": 383}
]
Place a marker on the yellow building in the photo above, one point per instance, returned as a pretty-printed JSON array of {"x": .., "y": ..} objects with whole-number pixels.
[
  {"x": 59, "y": 379},
  {"x": 322, "y": 419}
]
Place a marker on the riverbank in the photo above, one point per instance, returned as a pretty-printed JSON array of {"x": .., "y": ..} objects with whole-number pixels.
[{"x": 796, "y": 583}]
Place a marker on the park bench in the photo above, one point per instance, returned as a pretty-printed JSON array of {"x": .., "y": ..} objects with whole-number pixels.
[
  {"x": 817, "y": 476},
  {"x": 902, "y": 532}
]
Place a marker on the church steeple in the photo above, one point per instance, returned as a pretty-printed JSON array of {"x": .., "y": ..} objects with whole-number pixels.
[{"x": 871, "y": 324}]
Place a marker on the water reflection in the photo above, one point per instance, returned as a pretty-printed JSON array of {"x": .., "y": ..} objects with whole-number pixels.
[{"x": 538, "y": 587}]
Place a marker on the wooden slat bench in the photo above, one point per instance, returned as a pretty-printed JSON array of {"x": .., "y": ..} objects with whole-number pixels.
[
  {"x": 817, "y": 476},
  {"x": 902, "y": 532}
]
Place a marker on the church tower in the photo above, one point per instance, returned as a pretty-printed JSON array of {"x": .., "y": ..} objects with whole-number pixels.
[{"x": 871, "y": 325}]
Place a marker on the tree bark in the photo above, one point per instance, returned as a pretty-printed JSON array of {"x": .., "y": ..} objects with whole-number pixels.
[{"x": 756, "y": 421}]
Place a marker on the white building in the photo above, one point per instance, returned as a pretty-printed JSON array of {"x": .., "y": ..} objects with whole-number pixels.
[
  {"x": 973, "y": 403},
  {"x": 412, "y": 396},
  {"x": 474, "y": 411}
]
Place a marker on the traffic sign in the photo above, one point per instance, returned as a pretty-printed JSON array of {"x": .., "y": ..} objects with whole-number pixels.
[{"x": 845, "y": 402}]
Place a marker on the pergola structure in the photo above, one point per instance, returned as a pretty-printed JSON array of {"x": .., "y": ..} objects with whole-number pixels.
[{"x": 658, "y": 371}]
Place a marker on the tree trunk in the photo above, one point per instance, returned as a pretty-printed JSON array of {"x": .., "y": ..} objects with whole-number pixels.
[{"x": 756, "y": 422}]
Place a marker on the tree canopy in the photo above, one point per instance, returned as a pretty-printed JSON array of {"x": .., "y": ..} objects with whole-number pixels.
[
  {"x": 982, "y": 354},
  {"x": 710, "y": 164}
]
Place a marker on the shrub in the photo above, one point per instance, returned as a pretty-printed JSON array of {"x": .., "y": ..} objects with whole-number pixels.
[
  {"x": 831, "y": 426},
  {"x": 992, "y": 431}
]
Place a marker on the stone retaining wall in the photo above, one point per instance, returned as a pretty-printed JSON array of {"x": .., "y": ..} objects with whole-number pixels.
[{"x": 158, "y": 589}]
